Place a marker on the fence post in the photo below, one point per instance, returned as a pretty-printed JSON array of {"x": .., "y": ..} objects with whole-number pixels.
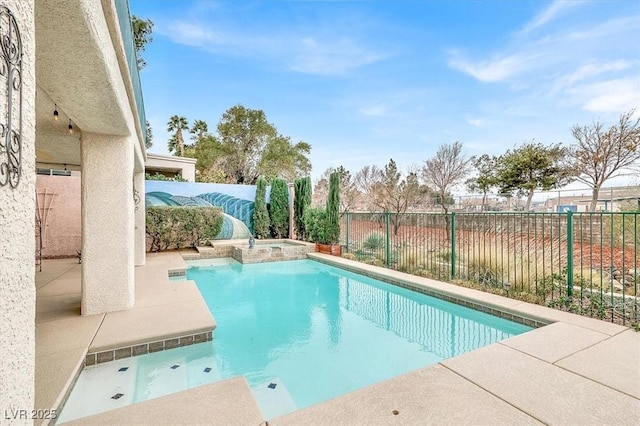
[
  {"x": 569, "y": 253},
  {"x": 453, "y": 245},
  {"x": 388, "y": 239},
  {"x": 348, "y": 222}
]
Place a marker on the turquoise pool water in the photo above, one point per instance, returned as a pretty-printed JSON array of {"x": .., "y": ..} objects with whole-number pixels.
[
  {"x": 317, "y": 332},
  {"x": 301, "y": 332}
]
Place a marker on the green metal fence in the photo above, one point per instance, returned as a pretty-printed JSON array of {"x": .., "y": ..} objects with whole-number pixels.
[{"x": 587, "y": 263}]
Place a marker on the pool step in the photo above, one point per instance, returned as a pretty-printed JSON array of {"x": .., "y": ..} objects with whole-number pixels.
[{"x": 273, "y": 398}]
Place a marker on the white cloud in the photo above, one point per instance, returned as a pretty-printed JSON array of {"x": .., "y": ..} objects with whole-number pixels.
[
  {"x": 589, "y": 62},
  {"x": 191, "y": 34},
  {"x": 293, "y": 50},
  {"x": 608, "y": 28},
  {"x": 552, "y": 12},
  {"x": 496, "y": 69},
  {"x": 330, "y": 56},
  {"x": 610, "y": 96},
  {"x": 591, "y": 70},
  {"x": 477, "y": 122},
  {"x": 374, "y": 110}
]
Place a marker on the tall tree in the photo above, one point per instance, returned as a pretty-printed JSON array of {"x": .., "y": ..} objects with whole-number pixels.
[
  {"x": 281, "y": 158},
  {"x": 601, "y": 154},
  {"x": 279, "y": 208},
  {"x": 301, "y": 202},
  {"x": 349, "y": 193},
  {"x": 261, "y": 222},
  {"x": 142, "y": 30},
  {"x": 199, "y": 130},
  {"x": 530, "y": 167},
  {"x": 176, "y": 144},
  {"x": 333, "y": 209},
  {"x": 207, "y": 152},
  {"x": 486, "y": 179},
  {"x": 448, "y": 168},
  {"x": 243, "y": 135}
]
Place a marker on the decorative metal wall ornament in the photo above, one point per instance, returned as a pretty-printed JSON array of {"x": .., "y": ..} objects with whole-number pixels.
[
  {"x": 11, "y": 102},
  {"x": 136, "y": 195}
]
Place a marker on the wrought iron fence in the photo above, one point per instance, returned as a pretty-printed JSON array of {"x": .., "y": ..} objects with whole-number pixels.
[{"x": 586, "y": 263}]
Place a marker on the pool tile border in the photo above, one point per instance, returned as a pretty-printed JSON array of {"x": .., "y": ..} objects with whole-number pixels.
[
  {"x": 478, "y": 306},
  {"x": 177, "y": 272},
  {"x": 145, "y": 348}
]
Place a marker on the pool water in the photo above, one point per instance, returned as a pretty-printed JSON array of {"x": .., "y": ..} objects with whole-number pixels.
[{"x": 302, "y": 332}]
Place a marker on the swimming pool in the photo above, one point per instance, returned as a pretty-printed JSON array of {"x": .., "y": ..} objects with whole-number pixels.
[{"x": 301, "y": 332}]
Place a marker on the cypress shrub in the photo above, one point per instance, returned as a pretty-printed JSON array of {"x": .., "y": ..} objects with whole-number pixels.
[
  {"x": 279, "y": 208},
  {"x": 301, "y": 202},
  {"x": 315, "y": 222},
  {"x": 261, "y": 221},
  {"x": 333, "y": 209},
  {"x": 181, "y": 226}
]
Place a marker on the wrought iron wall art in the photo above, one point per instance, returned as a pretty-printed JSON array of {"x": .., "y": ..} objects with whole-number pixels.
[
  {"x": 136, "y": 195},
  {"x": 11, "y": 101}
]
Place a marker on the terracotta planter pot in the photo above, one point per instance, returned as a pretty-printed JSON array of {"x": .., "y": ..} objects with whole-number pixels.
[{"x": 332, "y": 249}]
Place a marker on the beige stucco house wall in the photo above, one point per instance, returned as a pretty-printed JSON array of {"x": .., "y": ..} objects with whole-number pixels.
[
  {"x": 97, "y": 97},
  {"x": 59, "y": 207},
  {"x": 17, "y": 245}
]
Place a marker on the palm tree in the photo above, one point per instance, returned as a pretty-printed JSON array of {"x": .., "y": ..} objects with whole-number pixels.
[
  {"x": 199, "y": 130},
  {"x": 176, "y": 143}
]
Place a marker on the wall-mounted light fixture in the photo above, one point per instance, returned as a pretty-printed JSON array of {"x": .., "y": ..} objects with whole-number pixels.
[
  {"x": 55, "y": 112},
  {"x": 70, "y": 127}
]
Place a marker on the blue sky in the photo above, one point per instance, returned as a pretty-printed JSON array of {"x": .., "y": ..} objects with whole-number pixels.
[{"x": 366, "y": 81}]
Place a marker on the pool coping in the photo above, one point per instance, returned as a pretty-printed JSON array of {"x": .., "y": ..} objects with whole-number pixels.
[{"x": 512, "y": 309}]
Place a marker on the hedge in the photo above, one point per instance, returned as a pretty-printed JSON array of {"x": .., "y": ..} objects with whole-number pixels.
[{"x": 181, "y": 226}]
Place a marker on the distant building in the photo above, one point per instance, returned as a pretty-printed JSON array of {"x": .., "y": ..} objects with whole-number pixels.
[{"x": 171, "y": 166}]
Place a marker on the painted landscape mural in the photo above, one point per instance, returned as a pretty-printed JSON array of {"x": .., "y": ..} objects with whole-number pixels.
[{"x": 236, "y": 202}]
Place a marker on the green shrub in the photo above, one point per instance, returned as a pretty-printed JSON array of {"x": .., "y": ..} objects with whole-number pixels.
[
  {"x": 261, "y": 221},
  {"x": 374, "y": 242},
  {"x": 315, "y": 220},
  {"x": 181, "y": 226},
  {"x": 160, "y": 176},
  {"x": 279, "y": 208}
]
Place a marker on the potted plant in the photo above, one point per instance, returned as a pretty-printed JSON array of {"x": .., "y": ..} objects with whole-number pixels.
[{"x": 317, "y": 229}]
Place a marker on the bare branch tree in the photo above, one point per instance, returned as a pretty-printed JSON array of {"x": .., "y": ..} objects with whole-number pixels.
[
  {"x": 602, "y": 154},
  {"x": 320, "y": 191},
  {"x": 366, "y": 181},
  {"x": 388, "y": 191},
  {"x": 448, "y": 168},
  {"x": 349, "y": 194}
]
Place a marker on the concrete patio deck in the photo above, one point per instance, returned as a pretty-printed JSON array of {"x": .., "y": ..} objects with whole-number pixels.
[{"x": 576, "y": 370}]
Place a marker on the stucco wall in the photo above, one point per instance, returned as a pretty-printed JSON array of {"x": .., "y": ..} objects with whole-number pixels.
[
  {"x": 108, "y": 256},
  {"x": 62, "y": 233},
  {"x": 17, "y": 245}
]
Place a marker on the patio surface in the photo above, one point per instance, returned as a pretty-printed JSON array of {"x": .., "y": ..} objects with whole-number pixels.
[{"x": 576, "y": 370}]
